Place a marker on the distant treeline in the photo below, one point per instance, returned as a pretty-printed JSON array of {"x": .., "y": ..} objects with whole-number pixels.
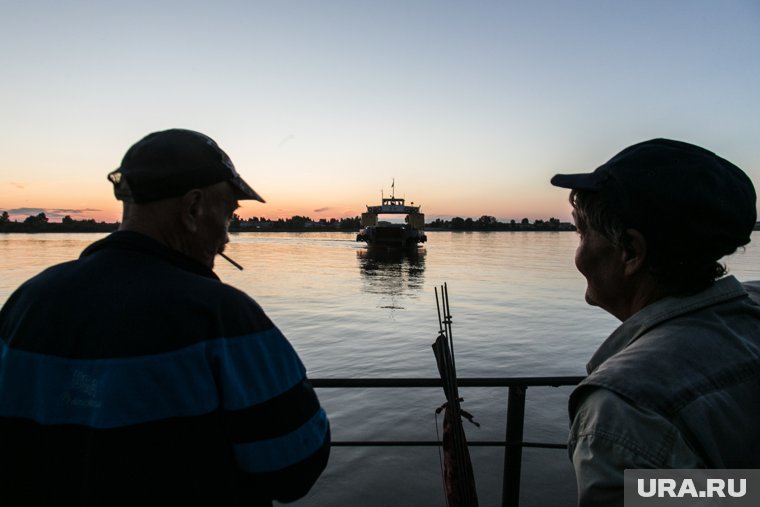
[
  {"x": 484, "y": 223},
  {"x": 489, "y": 223},
  {"x": 295, "y": 223},
  {"x": 41, "y": 223}
]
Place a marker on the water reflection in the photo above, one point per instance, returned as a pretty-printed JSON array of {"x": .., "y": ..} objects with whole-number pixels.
[{"x": 392, "y": 272}]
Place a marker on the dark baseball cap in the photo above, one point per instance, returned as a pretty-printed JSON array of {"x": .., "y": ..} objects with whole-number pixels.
[
  {"x": 676, "y": 194},
  {"x": 172, "y": 162}
]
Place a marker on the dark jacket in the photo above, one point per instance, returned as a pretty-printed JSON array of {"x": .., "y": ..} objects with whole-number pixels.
[{"x": 134, "y": 376}]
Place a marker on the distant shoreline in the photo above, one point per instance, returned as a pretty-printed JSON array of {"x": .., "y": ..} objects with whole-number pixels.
[
  {"x": 41, "y": 224},
  {"x": 113, "y": 227},
  {"x": 59, "y": 230},
  {"x": 90, "y": 226}
]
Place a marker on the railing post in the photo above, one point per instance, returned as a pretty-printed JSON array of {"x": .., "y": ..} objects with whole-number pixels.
[{"x": 510, "y": 495}]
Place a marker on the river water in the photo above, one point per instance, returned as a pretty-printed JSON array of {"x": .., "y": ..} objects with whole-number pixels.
[{"x": 518, "y": 310}]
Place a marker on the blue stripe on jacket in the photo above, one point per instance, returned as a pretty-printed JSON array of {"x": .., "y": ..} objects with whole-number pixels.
[
  {"x": 281, "y": 452},
  {"x": 117, "y": 392},
  {"x": 275, "y": 368}
]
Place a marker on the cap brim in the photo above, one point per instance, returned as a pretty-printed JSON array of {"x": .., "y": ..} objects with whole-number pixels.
[
  {"x": 585, "y": 181},
  {"x": 244, "y": 191}
]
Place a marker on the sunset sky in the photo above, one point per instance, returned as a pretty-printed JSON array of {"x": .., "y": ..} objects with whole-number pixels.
[{"x": 470, "y": 106}]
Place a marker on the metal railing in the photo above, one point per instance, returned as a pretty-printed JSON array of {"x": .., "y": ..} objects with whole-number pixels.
[{"x": 513, "y": 442}]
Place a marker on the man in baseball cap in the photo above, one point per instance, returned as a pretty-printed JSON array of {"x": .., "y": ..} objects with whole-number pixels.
[
  {"x": 134, "y": 375},
  {"x": 676, "y": 384}
]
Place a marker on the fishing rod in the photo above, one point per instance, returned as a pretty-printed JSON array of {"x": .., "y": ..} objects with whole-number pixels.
[
  {"x": 462, "y": 486},
  {"x": 444, "y": 323},
  {"x": 447, "y": 321},
  {"x": 438, "y": 307}
]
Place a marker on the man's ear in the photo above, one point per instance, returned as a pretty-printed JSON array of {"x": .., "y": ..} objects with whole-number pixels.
[
  {"x": 634, "y": 251},
  {"x": 190, "y": 209}
]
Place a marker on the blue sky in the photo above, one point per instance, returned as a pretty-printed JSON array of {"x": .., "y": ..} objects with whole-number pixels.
[{"x": 470, "y": 106}]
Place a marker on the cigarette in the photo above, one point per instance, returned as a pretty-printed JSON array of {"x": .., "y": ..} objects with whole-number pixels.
[{"x": 231, "y": 261}]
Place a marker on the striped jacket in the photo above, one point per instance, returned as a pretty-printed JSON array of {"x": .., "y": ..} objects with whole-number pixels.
[{"x": 133, "y": 376}]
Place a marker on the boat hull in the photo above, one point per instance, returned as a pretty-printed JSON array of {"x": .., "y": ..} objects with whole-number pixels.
[{"x": 391, "y": 236}]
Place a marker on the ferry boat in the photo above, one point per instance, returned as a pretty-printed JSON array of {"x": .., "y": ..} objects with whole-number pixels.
[{"x": 389, "y": 235}]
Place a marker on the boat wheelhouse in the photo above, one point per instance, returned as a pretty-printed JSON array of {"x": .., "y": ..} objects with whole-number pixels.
[{"x": 378, "y": 233}]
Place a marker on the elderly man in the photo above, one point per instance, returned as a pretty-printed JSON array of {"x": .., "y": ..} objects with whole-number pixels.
[
  {"x": 134, "y": 376},
  {"x": 677, "y": 384}
]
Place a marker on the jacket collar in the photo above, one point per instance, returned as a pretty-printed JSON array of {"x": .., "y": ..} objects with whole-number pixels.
[
  {"x": 660, "y": 311},
  {"x": 136, "y": 242}
]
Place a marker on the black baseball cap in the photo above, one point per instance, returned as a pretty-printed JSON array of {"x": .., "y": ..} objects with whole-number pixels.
[
  {"x": 675, "y": 194},
  {"x": 172, "y": 162}
]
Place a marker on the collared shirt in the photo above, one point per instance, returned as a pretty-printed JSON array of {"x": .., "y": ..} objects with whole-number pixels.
[{"x": 675, "y": 386}]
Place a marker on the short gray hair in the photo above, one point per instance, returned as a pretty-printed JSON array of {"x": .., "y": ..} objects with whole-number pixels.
[{"x": 678, "y": 274}]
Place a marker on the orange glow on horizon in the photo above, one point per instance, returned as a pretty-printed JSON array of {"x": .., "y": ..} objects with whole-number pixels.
[
  {"x": 94, "y": 200},
  {"x": 109, "y": 210}
]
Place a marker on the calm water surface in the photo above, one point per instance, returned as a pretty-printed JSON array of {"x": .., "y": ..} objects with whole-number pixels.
[{"x": 518, "y": 310}]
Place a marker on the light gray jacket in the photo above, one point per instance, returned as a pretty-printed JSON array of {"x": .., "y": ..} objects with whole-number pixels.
[{"x": 677, "y": 385}]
